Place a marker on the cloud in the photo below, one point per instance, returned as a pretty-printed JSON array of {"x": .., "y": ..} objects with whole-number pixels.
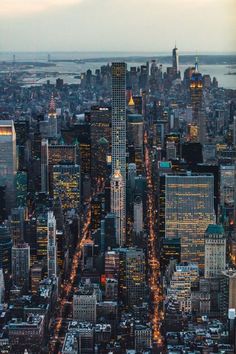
[{"x": 15, "y": 8}]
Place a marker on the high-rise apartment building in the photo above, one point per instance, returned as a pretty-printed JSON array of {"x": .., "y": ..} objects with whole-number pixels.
[
  {"x": 117, "y": 205},
  {"x": 119, "y": 146},
  {"x": 8, "y": 161},
  {"x": 52, "y": 246},
  {"x": 44, "y": 166},
  {"x": 21, "y": 265},
  {"x": 215, "y": 251},
  {"x": 189, "y": 209}
]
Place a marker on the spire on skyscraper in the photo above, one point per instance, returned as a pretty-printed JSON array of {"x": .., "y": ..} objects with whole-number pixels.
[
  {"x": 131, "y": 102},
  {"x": 52, "y": 105},
  {"x": 196, "y": 65}
]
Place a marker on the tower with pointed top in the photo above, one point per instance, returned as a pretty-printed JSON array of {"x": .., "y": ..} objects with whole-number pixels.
[
  {"x": 196, "y": 95},
  {"x": 175, "y": 60},
  {"x": 196, "y": 90},
  {"x": 118, "y": 182},
  {"x": 52, "y": 119}
]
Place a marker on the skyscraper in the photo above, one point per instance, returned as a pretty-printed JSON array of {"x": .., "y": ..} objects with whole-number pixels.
[
  {"x": 52, "y": 119},
  {"x": 119, "y": 148},
  {"x": 189, "y": 209},
  {"x": 132, "y": 268},
  {"x": 2, "y": 287},
  {"x": 117, "y": 205},
  {"x": 17, "y": 224},
  {"x": 100, "y": 133},
  {"x": 66, "y": 185},
  {"x": 41, "y": 234},
  {"x": 175, "y": 60},
  {"x": 44, "y": 166},
  {"x": 5, "y": 249},
  {"x": 135, "y": 130},
  {"x": 8, "y": 161},
  {"x": 52, "y": 246},
  {"x": 196, "y": 93},
  {"x": 215, "y": 251},
  {"x": 119, "y": 118},
  {"x": 21, "y": 265},
  {"x": 138, "y": 215}
]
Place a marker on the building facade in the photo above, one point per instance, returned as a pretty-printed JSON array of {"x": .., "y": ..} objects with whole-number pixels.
[{"x": 189, "y": 209}]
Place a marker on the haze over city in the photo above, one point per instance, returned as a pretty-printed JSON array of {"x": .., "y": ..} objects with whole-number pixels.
[
  {"x": 118, "y": 25},
  {"x": 117, "y": 177}
]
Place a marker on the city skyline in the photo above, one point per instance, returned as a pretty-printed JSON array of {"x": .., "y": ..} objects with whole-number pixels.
[
  {"x": 59, "y": 25},
  {"x": 117, "y": 177}
]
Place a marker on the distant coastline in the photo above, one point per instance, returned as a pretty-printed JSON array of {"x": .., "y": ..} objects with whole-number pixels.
[{"x": 80, "y": 58}]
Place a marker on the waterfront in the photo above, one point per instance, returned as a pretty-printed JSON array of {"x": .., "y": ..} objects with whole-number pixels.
[{"x": 67, "y": 70}]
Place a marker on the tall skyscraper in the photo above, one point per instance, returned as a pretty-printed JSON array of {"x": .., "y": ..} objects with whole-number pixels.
[
  {"x": 5, "y": 249},
  {"x": 42, "y": 237},
  {"x": 52, "y": 119},
  {"x": 2, "y": 287},
  {"x": 234, "y": 131},
  {"x": 100, "y": 133},
  {"x": 138, "y": 215},
  {"x": 21, "y": 265},
  {"x": 132, "y": 173},
  {"x": 175, "y": 60},
  {"x": 196, "y": 94},
  {"x": 52, "y": 246},
  {"x": 8, "y": 161},
  {"x": 119, "y": 118},
  {"x": 135, "y": 130},
  {"x": 132, "y": 285},
  {"x": 215, "y": 251},
  {"x": 44, "y": 166},
  {"x": 17, "y": 224},
  {"x": 227, "y": 179},
  {"x": 119, "y": 147},
  {"x": 189, "y": 209},
  {"x": 117, "y": 205}
]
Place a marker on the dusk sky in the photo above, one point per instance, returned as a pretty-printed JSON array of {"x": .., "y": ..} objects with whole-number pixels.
[{"x": 118, "y": 25}]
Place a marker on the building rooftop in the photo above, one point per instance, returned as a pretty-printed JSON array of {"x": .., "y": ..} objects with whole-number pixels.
[{"x": 215, "y": 229}]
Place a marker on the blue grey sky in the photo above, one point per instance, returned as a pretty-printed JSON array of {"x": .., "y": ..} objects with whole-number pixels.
[{"x": 118, "y": 25}]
